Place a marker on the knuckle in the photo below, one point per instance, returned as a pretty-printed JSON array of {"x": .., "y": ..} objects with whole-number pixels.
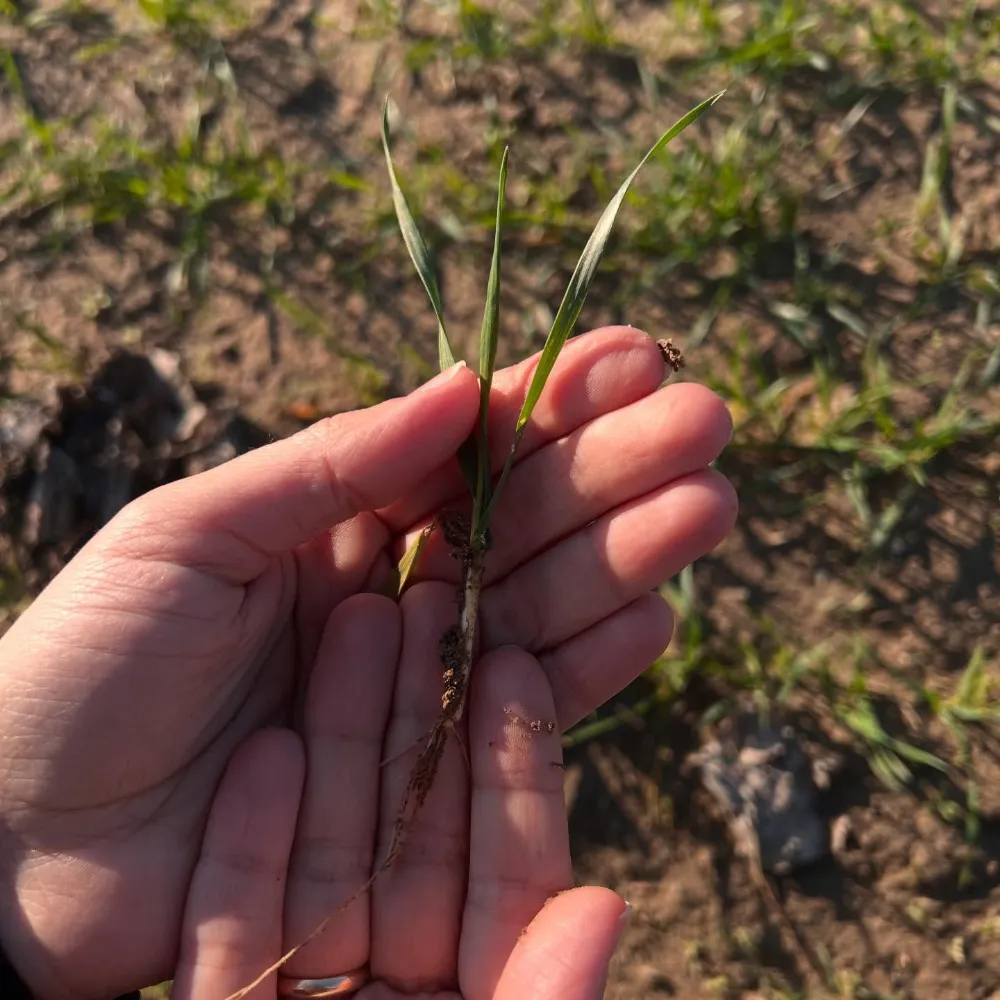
[
  {"x": 334, "y": 437},
  {"x": 133, "y": 525}
]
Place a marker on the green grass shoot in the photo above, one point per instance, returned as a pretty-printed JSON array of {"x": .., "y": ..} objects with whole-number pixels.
[{"x": 484, "y": 493}]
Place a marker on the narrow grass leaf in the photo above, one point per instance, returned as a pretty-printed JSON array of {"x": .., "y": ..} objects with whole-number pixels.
[
  {"x": 624, "y": 715},
  {"x": 918, "y": 756},
  {"x": 420, "y": 256},
  {"x": 417, "y": 248},
  {"x": 488, "y": 356},
  {"x": 491, "y": 313},
  {"x": 972, "y": 813},
  {"x": 410, "y": 561},
  {"x": 972, "y": 688},
  {"x": 864, "y": 722},
  {"x": 579, "y": 284},
  {"x": 965, "y": 714},
  {"x": 890, "y": 770},
  {"x": 991, "y": 370}
]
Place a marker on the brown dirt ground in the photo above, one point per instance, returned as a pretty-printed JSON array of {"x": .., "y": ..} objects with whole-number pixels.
[{"x": 906, "y": 907}]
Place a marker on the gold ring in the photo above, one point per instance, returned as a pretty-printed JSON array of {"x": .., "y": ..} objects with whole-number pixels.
[{"x": 317, "y": 989}]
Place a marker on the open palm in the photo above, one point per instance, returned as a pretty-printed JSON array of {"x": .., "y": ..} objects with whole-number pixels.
[
  {"x": 489, "y": 858},
  {"x": 206, "y": 609}
]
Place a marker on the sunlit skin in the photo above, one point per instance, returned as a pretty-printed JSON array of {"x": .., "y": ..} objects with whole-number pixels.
[{"x": 237, "y": 606}]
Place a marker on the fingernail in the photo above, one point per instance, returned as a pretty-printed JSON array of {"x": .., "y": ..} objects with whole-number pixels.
[
  {"x": 623, "y": 919},
  {"x": 444, "y": 377},
  {"x": 623, "y": 922}
]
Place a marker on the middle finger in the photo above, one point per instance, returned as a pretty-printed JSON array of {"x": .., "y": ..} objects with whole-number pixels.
[
  {"x": 598, "y": 571},
  {"x": 417, "y": 902},
  {"x": 602, "y": 465}
]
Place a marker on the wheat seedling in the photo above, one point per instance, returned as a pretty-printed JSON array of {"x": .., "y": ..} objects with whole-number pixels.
[{"x": 469, "y": 537}]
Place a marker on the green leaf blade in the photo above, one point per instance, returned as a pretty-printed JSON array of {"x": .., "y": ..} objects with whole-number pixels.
[
  {"x": 417, "y": 248},
  {"x": 579, "y": 283},
  {"x": 491, "y": 313},
  {"x": 408, "y": 564},
  {"x": 488, "y": 338}
]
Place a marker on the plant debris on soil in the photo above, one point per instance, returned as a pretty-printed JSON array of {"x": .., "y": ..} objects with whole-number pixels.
[
  {"x": 769, "y": 791},
  {"x": 136, "y": 424}
]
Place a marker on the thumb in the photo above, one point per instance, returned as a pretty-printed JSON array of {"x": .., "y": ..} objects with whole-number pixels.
[
  {"x": 566, "y": 950},
  {"x": 233, "y": 519}
]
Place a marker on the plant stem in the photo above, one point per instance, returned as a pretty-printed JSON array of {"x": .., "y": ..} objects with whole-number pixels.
[{"x": 472, "y": 586}]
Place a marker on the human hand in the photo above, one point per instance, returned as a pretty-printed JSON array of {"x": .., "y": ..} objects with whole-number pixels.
[
  {"x": 193, "y": 619},
  {"x": 470, "y": 911}
]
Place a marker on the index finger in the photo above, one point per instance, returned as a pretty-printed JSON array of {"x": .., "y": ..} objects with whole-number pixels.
[
  {"x": 232, "y": 520},
  {"x": 596, "y": 373}
]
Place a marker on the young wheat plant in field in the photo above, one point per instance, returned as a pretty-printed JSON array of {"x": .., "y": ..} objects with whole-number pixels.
[{"x": 469, "y": 536}]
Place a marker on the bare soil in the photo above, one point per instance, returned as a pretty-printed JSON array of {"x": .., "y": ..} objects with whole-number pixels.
[{"x": 905, "y": 906}]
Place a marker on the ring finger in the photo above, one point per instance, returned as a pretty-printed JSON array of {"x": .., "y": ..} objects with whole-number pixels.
[{"x": 418, "y": 902}]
